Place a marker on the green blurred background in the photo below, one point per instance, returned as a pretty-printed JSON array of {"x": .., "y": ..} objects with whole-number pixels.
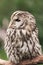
[{"x": 7, "y": 7}]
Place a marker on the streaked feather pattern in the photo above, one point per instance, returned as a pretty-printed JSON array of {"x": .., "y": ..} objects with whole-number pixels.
[{"x": 22, "y": 37}]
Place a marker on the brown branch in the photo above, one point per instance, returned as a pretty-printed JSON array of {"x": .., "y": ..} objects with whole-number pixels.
[
  {"x": 36, "y": 60},
  {"x": 4, "y": 62}
]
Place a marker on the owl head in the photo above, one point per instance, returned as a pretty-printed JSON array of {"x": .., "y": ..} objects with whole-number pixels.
[{"x": 22, "y": 20}]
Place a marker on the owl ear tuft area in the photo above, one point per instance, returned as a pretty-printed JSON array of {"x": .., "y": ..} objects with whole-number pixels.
[{"x": 14, "y": 14}]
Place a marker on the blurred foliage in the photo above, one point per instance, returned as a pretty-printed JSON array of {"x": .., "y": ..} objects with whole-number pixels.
[
  {"x": 1, "y": 43},
  {"x": 3, "y": 54},
  {"x": 7, "y": 7}
]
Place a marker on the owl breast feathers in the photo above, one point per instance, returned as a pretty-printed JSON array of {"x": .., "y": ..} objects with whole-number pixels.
[{"x": 21, "y": 40}]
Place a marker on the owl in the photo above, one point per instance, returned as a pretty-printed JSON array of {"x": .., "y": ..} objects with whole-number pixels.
[{"x": 21, "y": 40}]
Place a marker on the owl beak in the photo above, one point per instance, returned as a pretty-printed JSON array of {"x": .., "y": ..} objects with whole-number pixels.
[{"x": 11, "y": 25}]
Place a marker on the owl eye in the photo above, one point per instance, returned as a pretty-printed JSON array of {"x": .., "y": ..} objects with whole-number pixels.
[{"x": 17, "y": 20}]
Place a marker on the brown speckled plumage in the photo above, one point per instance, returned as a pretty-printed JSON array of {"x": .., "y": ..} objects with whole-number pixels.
[{"x": 22, "y": 37}]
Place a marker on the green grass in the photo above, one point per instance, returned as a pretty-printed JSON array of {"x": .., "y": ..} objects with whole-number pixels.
[{"x": 3, "y": 54}]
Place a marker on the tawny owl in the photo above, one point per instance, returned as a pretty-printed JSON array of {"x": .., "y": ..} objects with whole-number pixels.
[{"x": 22, "y": 37}]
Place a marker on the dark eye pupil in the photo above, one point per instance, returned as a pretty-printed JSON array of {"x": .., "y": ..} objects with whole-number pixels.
[{"x": 17, "y": 20}]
